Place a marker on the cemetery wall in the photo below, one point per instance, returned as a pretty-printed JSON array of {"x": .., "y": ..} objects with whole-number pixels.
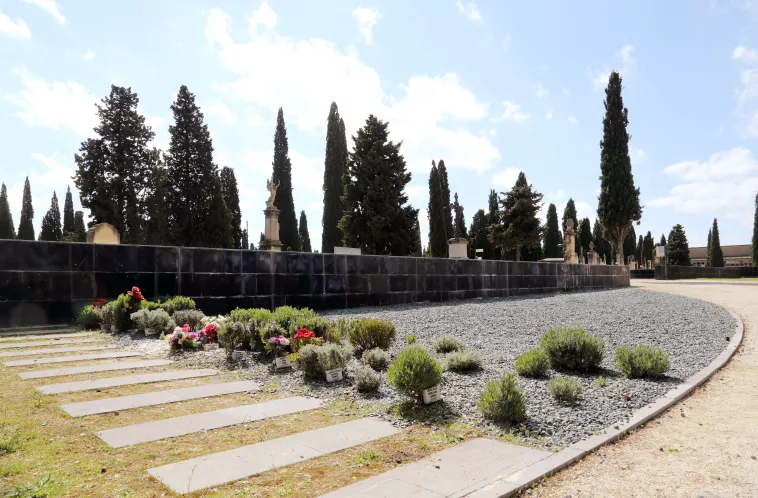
[
  {"x": 48, "y": 282},
  {"x": 684, "y": 272}
]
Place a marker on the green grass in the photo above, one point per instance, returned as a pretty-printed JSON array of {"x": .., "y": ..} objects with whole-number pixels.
[{"x": 366, "y": 457}]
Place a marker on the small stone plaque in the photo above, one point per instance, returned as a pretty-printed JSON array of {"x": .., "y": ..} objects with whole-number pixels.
[
  {"x": 149, "y": 332},
  {"x": 432, "y": 395},
  {"x": 282, "y": 362},
  {"x": 210, "y": 347},
  {"x": 334, "y": 375},
  {"x": 238, "y": 355}
]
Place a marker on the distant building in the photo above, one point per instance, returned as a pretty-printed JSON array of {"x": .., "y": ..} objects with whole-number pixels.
[{"x": 733, "y": 255}]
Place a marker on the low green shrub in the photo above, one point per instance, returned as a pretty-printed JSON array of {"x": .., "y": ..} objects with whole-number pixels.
[
  {"x": 366, "y": 379},
  {"x": 370, "y": 333},
  {"x": 601, "y": 382},
  {"x": 534, "y": 363},
  {"x": 178, "y": 303},
  {"x": 565, "y": 389},
  {"x": 255, "y": 319},
  {"x": 462, "y": 361},
  {"x": 139, "y": 319},
  {"x": 122, "y": 309},
  {"x": 269, "y": 330},
  {"x": 411, "y": 339},
  {"x": 641, "y": 361},
  {"x": 572, "y": 348},
  {"x": 502, "y": 399},
  {"x": 307, "y": 361},
  {"x": 331, "y": 356},
  {"x": 159, "y": 320},
  {"x": 90, "y": 318},
  {"x": 414, "y": 370},
  {"x": 193, "y": 318},
  {"x": 447, "y": 343},
  {"x": 376, "y": 358},
  {"x": 232, "y": 335},
  {"x": 150, "y": 305},
  {"x": 107, "y": 312},
  {"x": 338, "y": 331}
]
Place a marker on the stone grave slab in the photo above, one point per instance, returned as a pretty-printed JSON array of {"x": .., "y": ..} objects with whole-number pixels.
[
  {"x": 70, "y": 358},
  {"x": 188, "y": 424},
  {"x": 32, "y": 352},
  {"x": 32, "y": 344},
  {"x": 227, "y": 466},
  {"x": 87, "y": 385},
  {"x": 102, "y": 367},
  {"x": 25, "y": 334}
]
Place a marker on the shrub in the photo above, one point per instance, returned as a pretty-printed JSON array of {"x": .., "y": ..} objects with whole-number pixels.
[
  {"x": 150, "y": 305},
  {"x": 90, "y": 317},
  {"x": 307, "y": 361},
  {"x": 502, "y": 399},
  {"x": 331, "y": 356},
  {"x": 269, "y": 330},
  {"x": 178, "y": 303},
  {"x": 139, "y": 319},
  {"x": 461, "y": 361},
  {"x": 414, "y": 370},
  {"x": 193, "y": 318},
  {"x": 366, "y": 379},
  {"x": 447, "y": 343},
  {"x": 107, "y": 313},
  {"x": 159, "y": 321},
  {"x": 641, "y": 361},
  {"x": 376, "y": 358},
  {"x": 534, "y": 363},
  {"x": 601, "y": 382},
  {"x": 370, "y": 333},
  {"x": 572, "y": 348},
  {"x": 565, "y": 389},
  {"x": 232, "y": 335},
  {"x": 122, "y": 309},
  {"x": 255, "y": 319},
  {"x": 411, "y": 339},
  {"x": 338, "y": 331}
]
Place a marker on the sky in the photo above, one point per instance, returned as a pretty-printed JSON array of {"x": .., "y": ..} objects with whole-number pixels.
[{"x": 491, "y": 87}]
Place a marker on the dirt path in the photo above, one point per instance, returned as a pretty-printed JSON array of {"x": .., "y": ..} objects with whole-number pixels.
[{"x": 707, "y": 445}]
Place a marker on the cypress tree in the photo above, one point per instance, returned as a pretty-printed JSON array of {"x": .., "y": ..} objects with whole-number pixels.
[
  {"x": 26, "y": 222},
  {"x": 232, "y": 199},
  {"x": 283, "y": 177},
  {"x": 157, "y": 230},
  {"x": 493, "y": 218},
  {"x": 478, "y": 233},
  {"x": 218, "y": 222},
  {"x": 335, "y": 164},
  {"x": 715, "y": 254},
  {"x": 754, "y": 249},
  {"x": 708, "y": 250},
  {"x": 638, "y": 252},
  {"x": 114, "y": 168},
  {"x": 630, "y": 245},
  {"x": 678, "y": 249},
  {"x": 68, "y": 213},
  {"x": 601, "y": 247},
  {"x": 245, "y": 242},
  {"x": 80, "y": 233},
  {"x": 446, "y": 206},
  {"x": 417, "y": 231},
  {"x": 518, "y": 226},
  {"x": 192, "y": 177},
  {"x": 553, "y": 239},
  {"x": 376, "y": 218},
  {"x": 585, "y": 237},
  {"x": 648, "y": 247},
  {"x": 7, "y": 228},
  {"x": 662, "y": 241},
  {"x": 51, "y": 222},
  {"x": 619, "y": 201},
  {"x": 459, "y": 228},
  {"x": 569, "y": 212},
  {"x": 305, "y": 238},
  {"x": 437, "y": 234}
]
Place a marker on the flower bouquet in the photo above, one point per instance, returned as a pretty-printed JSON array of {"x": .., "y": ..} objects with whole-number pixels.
[
  {"x": 280, "y": 342},
  {"x": 182, "y": 338},
  {"x": 303, "y": 337},
  {"x": 208, "y": 337}
]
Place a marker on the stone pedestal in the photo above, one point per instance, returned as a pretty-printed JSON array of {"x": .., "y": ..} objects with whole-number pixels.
[
  {"x": 103, "y": 233},
  {"x": 457, "y": 248},
  {"x": 271, "y": 230}
]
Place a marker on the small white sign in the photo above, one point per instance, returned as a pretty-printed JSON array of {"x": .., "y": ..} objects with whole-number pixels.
[
  {"x": 334, "y": 375},
  {"x": 238, "y": 355},
  {"x": 210, "y": 347},
  {"x": 354, "y": 251},
  {"x": 149, "y": 332},
  {"x": 660, "y": 251},
  {"x": 432, "y": 395},
  {"x": 282, "y": 362}
]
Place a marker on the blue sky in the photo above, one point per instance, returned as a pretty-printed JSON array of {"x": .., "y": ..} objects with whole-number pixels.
[{"x": 491, "y": 87}]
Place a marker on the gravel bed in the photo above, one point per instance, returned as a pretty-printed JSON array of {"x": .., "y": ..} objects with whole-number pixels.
[{"x": 694, "y": 332}]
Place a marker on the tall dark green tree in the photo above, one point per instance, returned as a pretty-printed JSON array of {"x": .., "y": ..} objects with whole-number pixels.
[
  {"x": 630, "y": 245},
  {"x": 376, "y": 217},
  {"x": 26, "y": 222},
  {"x": 114, "y": 168},
  {"x": 283, "y": 177},
  {"x": 446, "y": 205},
  {"x": 459, "y": 227},
  {"x": 553, "y": 241},
  {"x": 648, "y": 246},
  {"x": 619, "y": 201},
  {"x": 245, "y": 240},
  {"x": 754, "y": 249},
  {"x": 80, "y": 233},
  {"x": 477, "y": 234},
  {"x": 638, "y": 252},
  {"x": 335, "y": 164},
  {"x": 601, "y": 245},
  {"x": 192, "y": 177},
  {"x": 7, "y": 228},
  {"x": 438, "y": 247},
  {"x": 68, "y": 213},
  {"x": 305, "y": 238},
  {"x": 493, "y": 218},
  {"x": 51, "y": 222},
  {"x": 584, "y": 236},
  {"x": 715, "y": 254},
  {"x": 218, "y": 220},
  {"x": 569, "y": 212},
  {"x": 157, "y": 230},
  {"x": 662, "y": 242},
  {"x": 708, "y": 249},
  {"x": 232, "y": 200},
  {"x": 519, "y": 225},
  {"x": 417, "y": 230},
  {"x": 678, "y": 249}
]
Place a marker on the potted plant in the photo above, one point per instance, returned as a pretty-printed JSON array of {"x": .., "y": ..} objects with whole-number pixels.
[{"x": 279, "y": 343}]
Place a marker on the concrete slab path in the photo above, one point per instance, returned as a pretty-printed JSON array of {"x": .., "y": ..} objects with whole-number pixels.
[
  {"x": 32, "y": 352},
  {"x": 108, "y": 405},
  {"x": 454, "y": 472},
  {"x": 22, "y": 334},
  {"x": 34, "y": 344},
  {"x": 189, "y": 424},
  {"x": 102, "y": 367},
  {"x": 219, "y": 468},
  {"x": 87, "y": 385},
  {"x": 70, "y": 358}
]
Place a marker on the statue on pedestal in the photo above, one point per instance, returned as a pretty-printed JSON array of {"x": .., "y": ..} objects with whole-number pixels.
[
  {"x": 271, "y": 227},
  {"x": 271, "y": 193},
  {"x": 569, "y": 243}
]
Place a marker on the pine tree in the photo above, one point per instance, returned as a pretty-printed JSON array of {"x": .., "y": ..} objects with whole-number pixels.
[
  {"x": 218, "y": 222},
  {"x": 754, "y": 249},
  {"x": 601, "y": 247},
  {"x": 553, "y": 239},
  {"x": 7, "y": 228},
  {"x": 232, "y": 199},
  {"x": 376, "y": 218},
  {"x": 585, "y": 237},
  {"x": 648, "y": 247},
  {"x": 51, "y": 223},
  {"x": 459, "y": 228},
  {"x": 335, "y": 164},
  {"x": 478, "y": 233},
  {"x": 157, "y": 230},
  {"x": 283, "y": 177},
  {"x": 417, "y": 231},
  {"x": 245, "y": 242},
  {"x": 519, "y": 226},
  {"x": 708, "y": 250},
  {"x": 638, "y": 252},
  {"x": 446, "y": 206},
  {"x": 715, "y": 254},
  {"x": 493, "y": 218},
  {"x": 113, "y": 169},
  {"x": 438, "y": 247},
  {"x": 305, "y": 238},
  {"x": 68, "y": 214},
  {"x": 569, "y": 212},
  {"x": 678, "y": 250},
  {"x": 80, "y": 233},
  {"x": 619, "y": 201},
  {"x": 26, "y": 222},
  {"x": 192, "y": 177},
  {"x": 662, "y": 241}
]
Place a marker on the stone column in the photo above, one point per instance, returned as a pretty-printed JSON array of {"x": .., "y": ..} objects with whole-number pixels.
[
  {"x": 457, "y": 248},
  {"x": 271, "y": 230}
]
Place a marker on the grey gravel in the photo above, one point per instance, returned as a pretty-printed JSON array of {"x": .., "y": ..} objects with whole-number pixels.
[{"x": 694, "y": 332}]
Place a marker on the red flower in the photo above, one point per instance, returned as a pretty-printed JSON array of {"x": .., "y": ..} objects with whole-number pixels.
[{"x": 304, "y": 333}]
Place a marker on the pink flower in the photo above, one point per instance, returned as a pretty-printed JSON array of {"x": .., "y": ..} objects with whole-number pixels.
[{"x": 186, "y": 328}]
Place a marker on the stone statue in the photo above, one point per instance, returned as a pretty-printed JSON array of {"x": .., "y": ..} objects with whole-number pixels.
[
  {"x": 272, "y": 193},
  {"x": 569, "y": 238}
]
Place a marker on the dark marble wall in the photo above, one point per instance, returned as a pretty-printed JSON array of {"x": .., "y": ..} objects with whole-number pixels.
[
  {"x": 683, "y": 272},
  {"x": 48, "y": 282}
]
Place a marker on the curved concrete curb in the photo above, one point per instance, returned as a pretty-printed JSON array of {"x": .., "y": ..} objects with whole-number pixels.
[{"x": 514, "y": 483}]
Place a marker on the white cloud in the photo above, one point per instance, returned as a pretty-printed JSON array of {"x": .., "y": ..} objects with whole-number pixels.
[
  {"x": 89, "y": 55},
  {"x": 469, "y": 9},
  {"x": 264, "y": 16},
  {"x": 573, "y": 121},
  {"x": 747, "y": 95},
  {"x": 599, "y": 78},
  {"x": 54, "y": 104},
  {"x": 507, "y": 45},
  {"x": 221, "y": 111},
  {"x": 506, "y": 178},
  {"x": 638, "y": 155},
  {"x": 541, "y": 91},
  {"x": 366, "y": 18},
  {"x": 549, "y": 115},
  {"x": 17, "y": 30},
  {"x": 50, "y": 7},
  {"x": 744, "y": 54},
  {"x": 723, "y": 185},
  {"x": 512, "y": 112}
]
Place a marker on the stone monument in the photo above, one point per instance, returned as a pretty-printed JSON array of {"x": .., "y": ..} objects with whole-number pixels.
[
  {"x": 569, "y": 243},
  {"x": 592, "y": 255},
  {"x": 103, "y": 233},
  {"x": 271, "y": 227}
]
